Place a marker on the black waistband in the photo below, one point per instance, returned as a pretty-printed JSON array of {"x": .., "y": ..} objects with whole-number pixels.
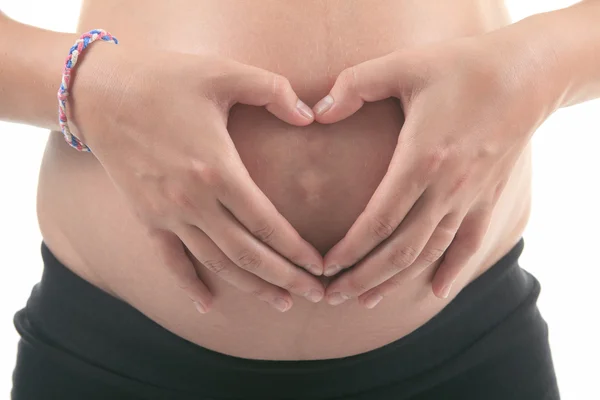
[{"x": 84, "y": 326}]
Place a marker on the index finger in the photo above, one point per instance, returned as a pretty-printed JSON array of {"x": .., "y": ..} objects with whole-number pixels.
[
  {"x": 251, "y": 207},
  {"x": 369, "y": 81},
  {"x": 170, "y": 251},
  {"x": 397, "y": 193}
]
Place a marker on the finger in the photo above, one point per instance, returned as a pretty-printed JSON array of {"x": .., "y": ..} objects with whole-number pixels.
[
  {"x": 213, "y": 259},
  {"x": 433, "y": 252},
  {"x": 391, "y": 257},
  {"x": 248, "y": 253},
  {"x": 372, "y": 80},
  {"x": 257, "y": 87},
  {"x": 437, "y": 245},
  {"x": 467, "y": 241},
  {"x": 255, "y": 211},
  {"x": 170, "y": 251},
  {"x": 398, "y": 191}
]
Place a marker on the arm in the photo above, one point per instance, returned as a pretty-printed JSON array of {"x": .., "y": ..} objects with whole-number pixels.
[
  {"x": 471, "y": 105},
  {"x": 30, "y": 71},
  {"x": 189, "y": 186},
  {"x": 565, "y": 46}
]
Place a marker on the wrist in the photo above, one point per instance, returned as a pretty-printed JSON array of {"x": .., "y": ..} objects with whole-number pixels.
[
  {"x": 562, "y": 51},
  {"x": 530, "y": 67},
  {"x": 91, "y": 90},
  {"x": 31, "y": 69}
]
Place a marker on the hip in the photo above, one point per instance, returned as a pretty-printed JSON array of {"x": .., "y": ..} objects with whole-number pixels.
[{"x": 489, "y": 342}]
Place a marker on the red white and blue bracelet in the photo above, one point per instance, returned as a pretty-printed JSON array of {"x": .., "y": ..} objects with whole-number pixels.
[{"x": 63, "y": 92}]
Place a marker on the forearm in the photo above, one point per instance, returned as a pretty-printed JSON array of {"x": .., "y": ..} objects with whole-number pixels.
[
  {"x": 560, "y": 51},
  {"x": 31, "y": 62}
]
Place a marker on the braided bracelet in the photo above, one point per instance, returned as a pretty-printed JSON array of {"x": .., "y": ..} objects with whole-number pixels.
[{"x": 80, "y": 45}]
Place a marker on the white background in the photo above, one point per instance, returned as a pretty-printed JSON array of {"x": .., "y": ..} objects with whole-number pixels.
[{"x": 561, "y": 239}]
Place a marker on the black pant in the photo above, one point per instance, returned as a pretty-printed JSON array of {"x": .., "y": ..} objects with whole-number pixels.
[{"x": 489, "y": 343}]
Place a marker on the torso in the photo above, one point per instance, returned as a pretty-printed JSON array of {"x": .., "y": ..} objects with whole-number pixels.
[{"x": 319, "y": 177}]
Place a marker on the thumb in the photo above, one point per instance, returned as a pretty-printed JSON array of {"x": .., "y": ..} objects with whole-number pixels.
[
  {"x": 372, "y": 80},
  {"x": 255, "y": 86}
]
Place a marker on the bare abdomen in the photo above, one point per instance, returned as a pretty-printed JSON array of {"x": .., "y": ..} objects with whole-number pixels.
[{"x": 319, "y": 177}]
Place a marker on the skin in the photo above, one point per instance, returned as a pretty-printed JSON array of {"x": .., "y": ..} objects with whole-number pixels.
[
  {"x": 379, "y": 183},
  {"x": 447, "y": 173},
  {"x": 203, "y": 199}
]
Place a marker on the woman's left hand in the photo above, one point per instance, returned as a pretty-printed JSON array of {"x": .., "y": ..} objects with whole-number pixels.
[{"x": 470, "y": 110}]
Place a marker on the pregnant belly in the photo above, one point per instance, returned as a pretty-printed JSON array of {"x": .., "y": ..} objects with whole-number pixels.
[{"x": 319, "y": 177}]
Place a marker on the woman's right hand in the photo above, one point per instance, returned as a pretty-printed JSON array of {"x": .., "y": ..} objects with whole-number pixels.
[{"x": 157, "y": 122}]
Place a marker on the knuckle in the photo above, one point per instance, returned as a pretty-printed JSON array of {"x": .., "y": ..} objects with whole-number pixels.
[
  {"x": 394, "y": 283},
  {"x": 216, "y": 266},
  {"x": 291, "y": 286},
  {"x": 381, "y": 227},
  {"x": 280, "y": 86},
  {"x": 433, "y": 160},
  {"x": 349, "y": 78},
  {"x": 356, "y": 285},
  {"x": 180, "y": 198},
  {"x": 471, "y": 242},
  {"x": 206, "y": 174},
  {"x": 264, "y": 233},
  {"x": 295, "y": 255},
  {"x": 402, "y": 257},
  {"x": 460, "y": 182},
  {"x": 431, "y": 255},
  {"x": 447, "y": 228},
  {"x": 250, "y": 260}
]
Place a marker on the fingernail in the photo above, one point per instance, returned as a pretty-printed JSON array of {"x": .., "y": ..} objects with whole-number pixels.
[
  {"x": 446, "y": 290},
  {"x": 304, "y": 110},
  {"x": 373, "y": 300},
  {"x": 200, "y": 308},
  {"x": 280, "y": 304},
  {"x": 313, "y": 269},
  {"x": 324, "y": 104},
  {"x": 332, "y": 269},
  {"x": 337, "y": 298},
  {"x": 314, "y": 295}
]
